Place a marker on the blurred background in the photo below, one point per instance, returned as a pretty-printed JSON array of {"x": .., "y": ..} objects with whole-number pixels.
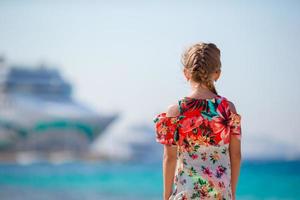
[{"x": 81, "y": 81}]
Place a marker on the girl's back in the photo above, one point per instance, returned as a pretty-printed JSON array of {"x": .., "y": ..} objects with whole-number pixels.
[
  {"x": 201, "y": 136},
  {"x": 202, "y": 132}
]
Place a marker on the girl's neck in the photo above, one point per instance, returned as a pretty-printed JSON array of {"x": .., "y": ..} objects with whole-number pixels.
[{"x": 201, "y": 91}]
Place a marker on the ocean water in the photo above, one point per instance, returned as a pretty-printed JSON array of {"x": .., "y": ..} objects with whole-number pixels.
[{"x": 267, "y": 180}]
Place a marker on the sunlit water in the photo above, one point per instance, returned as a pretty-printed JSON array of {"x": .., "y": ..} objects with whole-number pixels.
[{"x": 115, "y": 180}]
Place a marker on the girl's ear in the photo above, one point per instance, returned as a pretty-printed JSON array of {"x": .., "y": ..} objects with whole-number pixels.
[
  {"x": 217, "y": 75},
  {"x": 186, "y": 74}
]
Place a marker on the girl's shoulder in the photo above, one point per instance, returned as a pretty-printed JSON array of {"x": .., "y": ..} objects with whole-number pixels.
[
  {"x": 173, "y": 126},
  {"x": 185, "y": 104}
]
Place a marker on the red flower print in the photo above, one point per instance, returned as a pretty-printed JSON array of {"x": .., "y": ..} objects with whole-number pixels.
[
  {"x": 196, "y": 186},
  {"x": 235, "y": 125},
  {"x": 220, "y": 171},
  {"x": 184, "y": 197},
  {"x": 207, "y": 171},
  {"x": 189, "y": 124},
  {"x": 203, "y": 156},
  {"x": 194, "y": 156},
  {"x": 221, "y": 184},
  {"x": 201, "y": 131},
  {"x": 221, "y": 129},
  {"x": 167, "y": 129}
]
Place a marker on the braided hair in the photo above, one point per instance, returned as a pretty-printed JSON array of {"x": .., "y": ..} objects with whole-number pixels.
[{"x": 201, "y": 60}]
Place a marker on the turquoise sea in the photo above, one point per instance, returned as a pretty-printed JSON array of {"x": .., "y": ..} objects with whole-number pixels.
[{"x": 134, "y": 181}]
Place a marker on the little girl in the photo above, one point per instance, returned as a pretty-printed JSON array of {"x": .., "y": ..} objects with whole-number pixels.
[{"x": 201, "y": 134}]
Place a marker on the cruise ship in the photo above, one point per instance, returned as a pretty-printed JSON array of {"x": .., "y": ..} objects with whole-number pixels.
[{"x": 39, "y": 114}]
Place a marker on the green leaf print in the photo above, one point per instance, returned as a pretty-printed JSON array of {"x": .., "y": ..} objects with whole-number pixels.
[
  {"x": 176, "y": 135},
  {"x": 197, "y": 179},
  {"x": 211, "y": 111},
  {"x": 192, "y": 172},
  {"x": 181, "y": 117},
  {"x": 184, "y": 162},
  {"x": 212, "y": 159},
  {"x": 212, "y": 140},
  {"x": 195, "y": 195},
  {"x": 196, "y": 147},
  {"x": 202, "y": 181},
  {"x": 224, "y": 151},
  {"x": 181, "y": 172}
]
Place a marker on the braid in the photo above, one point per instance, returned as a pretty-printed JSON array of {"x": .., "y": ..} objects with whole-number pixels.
[{"x": 202, "y": 59}]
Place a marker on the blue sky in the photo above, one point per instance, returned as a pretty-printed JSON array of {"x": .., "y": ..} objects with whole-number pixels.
[{"x": 125, "y": 57}]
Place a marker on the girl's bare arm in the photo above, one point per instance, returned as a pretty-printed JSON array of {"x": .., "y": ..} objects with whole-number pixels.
[
  {"x": 169, "y": 159},
  {"x": 169, "y": 167},
  {"x": 235, "y": 158}
]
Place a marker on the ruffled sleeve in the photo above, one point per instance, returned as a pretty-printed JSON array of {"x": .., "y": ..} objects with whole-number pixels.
[
  {"x": 167, "y": 129},
  {"x": 235, "y": 125},
  {"x": 233, "y": 121}
]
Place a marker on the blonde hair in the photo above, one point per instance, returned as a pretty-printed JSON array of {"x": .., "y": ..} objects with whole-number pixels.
[{"x": 202, "y": 60}]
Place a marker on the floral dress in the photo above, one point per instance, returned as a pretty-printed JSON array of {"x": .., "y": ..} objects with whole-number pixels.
[{"x": 201, "y": 133}]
